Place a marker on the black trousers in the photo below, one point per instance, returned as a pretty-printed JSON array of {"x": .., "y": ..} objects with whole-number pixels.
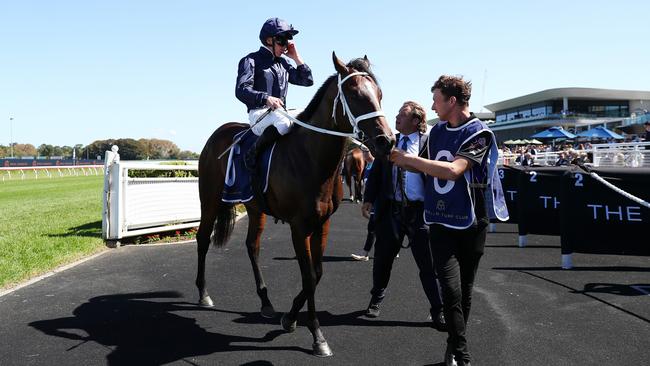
[
  {"x": 456, "y": 256},
  {"x": 390, "y": 231},
  {"x": 370, "y": 237}
]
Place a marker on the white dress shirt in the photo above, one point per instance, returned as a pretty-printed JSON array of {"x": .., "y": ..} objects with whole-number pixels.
[{"x": 414, "y": 185}]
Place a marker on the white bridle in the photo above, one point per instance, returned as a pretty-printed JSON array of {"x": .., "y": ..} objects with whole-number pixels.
[{"x": 354, "y": 121}]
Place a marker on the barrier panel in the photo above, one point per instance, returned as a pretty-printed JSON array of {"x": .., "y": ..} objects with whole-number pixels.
[
  {"x": 538, "y": 206},
  {"x": 509, "y": 176},
  {"x": 596, "y": 219},
  {"x": 137, "y": 206}
]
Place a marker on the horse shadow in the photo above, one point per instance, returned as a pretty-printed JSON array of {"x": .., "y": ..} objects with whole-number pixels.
[
  {"x": 139, "y": 328},
  {"x": 638, "y": 289},
  {"x": 90, "y": 229},
  {"x": 326, "y": 258},
  {"x": 325, "y": 318}
]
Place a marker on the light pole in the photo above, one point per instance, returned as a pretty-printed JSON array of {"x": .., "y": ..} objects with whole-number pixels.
[{"x": 11, "y": 136}]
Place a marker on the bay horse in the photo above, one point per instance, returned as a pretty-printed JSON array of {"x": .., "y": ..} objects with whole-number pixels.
[
  {"x": 354, "y": 164},
  {"x": 304, "y": 187}
]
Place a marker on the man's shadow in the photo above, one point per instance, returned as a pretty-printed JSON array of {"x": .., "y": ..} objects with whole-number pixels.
[{"x": 139, "y": 328}]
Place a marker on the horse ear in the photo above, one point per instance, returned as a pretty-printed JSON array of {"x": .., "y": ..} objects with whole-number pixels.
[
  {"x": 365, "y": 58},
  {"x": 339, "y": 65}
]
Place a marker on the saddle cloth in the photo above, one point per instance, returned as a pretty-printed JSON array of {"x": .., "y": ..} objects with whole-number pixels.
[{"x": 238, "y": 187}]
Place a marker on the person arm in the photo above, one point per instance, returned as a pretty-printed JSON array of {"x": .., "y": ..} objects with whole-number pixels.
[
  {"x": 244, "y": 89},
  {"x": 471, "y": 152},
  {"x": 301, "y": 74},
  {"x": 372, "y": 188}
]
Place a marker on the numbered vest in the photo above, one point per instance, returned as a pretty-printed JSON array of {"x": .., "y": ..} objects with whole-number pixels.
[{"x": 450, "y": 202}]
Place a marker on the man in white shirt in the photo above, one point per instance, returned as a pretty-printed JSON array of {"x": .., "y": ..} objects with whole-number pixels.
[{"x": 397, "y": 197}]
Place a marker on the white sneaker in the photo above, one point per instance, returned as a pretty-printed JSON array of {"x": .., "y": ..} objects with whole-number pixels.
[
  {"x": 358, "y": 257},
  {"x": 450, "y": 360}
]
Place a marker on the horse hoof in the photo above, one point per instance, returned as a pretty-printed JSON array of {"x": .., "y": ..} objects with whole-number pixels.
[
  {"x": 321, "y": 349},
  {"x": 206, "y": 302},
  {"x": 268, "y": 311},
  {"x": 288, "y": 325}
]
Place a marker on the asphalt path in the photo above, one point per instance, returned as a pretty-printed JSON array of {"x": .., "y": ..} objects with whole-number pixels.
[{"x": 137, "y": 305}]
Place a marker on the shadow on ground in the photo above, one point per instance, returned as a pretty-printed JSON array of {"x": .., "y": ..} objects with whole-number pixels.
[
  {"x": 91, "y": 229},
  {"x": 145, "y": 328}
]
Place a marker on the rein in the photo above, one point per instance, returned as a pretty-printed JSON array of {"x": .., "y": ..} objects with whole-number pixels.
[{"x": 354, "y": 121}]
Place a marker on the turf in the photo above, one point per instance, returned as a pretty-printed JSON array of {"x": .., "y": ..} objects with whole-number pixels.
[{"x": 47, "y": 222}]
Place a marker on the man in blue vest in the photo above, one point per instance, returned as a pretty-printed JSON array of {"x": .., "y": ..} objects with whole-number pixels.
[
  {"x": 462, "y": 192},
  {"x": 262, "y": 83},
  {"x": 397, "y": 197}
]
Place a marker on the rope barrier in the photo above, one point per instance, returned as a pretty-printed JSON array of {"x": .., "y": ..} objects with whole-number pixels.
[{"x": 619, "y": 191}]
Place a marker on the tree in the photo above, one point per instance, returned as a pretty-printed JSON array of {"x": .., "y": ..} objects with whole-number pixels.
[
  {"x": 21, "y": 150},
  {"x": 187, "y": 155},
  {"x": 66, "y": 152},
  {"x": 46, "y": 150},
  {"x": 159, "y": 149}
]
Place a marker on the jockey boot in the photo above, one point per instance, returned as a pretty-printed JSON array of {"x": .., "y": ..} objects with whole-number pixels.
[{"x": 265, "y": 140}]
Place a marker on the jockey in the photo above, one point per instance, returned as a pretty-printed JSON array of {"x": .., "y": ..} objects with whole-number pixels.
[{"x": 262, "y": 83}]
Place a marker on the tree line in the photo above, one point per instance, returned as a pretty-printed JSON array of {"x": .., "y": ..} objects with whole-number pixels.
[{"x": 130, "y": 149}]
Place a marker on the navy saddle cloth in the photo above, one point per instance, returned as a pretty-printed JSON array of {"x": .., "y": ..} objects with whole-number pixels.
[{"x": 237, "y": 187}]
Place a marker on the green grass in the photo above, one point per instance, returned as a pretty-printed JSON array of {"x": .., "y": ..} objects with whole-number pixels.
[{"x": 45, "y": 223}]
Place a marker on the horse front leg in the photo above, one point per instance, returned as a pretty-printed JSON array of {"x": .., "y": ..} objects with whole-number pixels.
[
  {"x": 309, "y": 253},
  {"x": 317, "y": 249},
  {"x": 208, "y": 217},
  {"x": 256, "y": 224}
]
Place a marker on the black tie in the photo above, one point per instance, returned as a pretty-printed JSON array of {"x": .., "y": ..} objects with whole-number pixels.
[{"x": 401, "y": 173}]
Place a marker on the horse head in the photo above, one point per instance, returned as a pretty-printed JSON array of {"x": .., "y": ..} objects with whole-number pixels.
[{"x": 360, "y": 97}]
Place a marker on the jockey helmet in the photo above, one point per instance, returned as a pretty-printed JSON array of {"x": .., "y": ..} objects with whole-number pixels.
[{"x": 275, "y": 27}]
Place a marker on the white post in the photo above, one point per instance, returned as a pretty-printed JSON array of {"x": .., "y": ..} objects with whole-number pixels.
[
  {"x": 110, "y": 199},
  {"x": 523, "y": 240},
  {"x": 11, "y": 136},
  {"x": 567, "y": 262}
]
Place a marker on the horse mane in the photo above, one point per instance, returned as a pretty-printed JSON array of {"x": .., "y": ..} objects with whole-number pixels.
[{"x": 358, "y": 64}]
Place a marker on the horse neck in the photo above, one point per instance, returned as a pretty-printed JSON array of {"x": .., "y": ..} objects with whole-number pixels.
[{"x": 326, "y": 150}]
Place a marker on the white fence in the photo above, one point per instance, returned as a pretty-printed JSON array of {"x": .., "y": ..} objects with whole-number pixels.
[
  {"x": 9, "y": 173},
  {"x": 620, "y": 155},
  {"x": 631, "y": 155},
  {"x": 138, "y": 206}
]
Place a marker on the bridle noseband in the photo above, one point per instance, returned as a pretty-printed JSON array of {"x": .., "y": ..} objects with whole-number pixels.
[{"x": 354, "y": 121}]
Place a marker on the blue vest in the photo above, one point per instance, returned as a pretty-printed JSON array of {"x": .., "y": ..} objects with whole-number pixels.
[{"x": 450, "y": 202}]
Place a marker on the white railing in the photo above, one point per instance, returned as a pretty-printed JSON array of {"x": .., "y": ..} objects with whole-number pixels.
[
  {"x": 10, "y": 173},
  {"x": 630, "y": 155},
  {"x": 618, "y": 155},
  {"x": 138, "y": 206}
]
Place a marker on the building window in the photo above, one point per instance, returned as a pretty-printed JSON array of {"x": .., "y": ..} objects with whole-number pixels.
[{"x": 539, "y": 111}]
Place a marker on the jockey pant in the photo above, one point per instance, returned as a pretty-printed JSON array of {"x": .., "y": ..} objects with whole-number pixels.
[{"x": 275, "y": 118}]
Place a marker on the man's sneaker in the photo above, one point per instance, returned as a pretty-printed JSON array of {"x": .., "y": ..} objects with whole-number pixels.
[
  {"x": 372, "y": 311},
  {"x": 450, "y": 360},
  {"x": 360, "y": 257}
]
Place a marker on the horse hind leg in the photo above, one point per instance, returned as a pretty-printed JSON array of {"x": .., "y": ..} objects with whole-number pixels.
[{"x": 256, "y": 224}]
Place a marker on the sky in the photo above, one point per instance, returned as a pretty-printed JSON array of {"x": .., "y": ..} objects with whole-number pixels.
[{"x": 72, "y": 72}]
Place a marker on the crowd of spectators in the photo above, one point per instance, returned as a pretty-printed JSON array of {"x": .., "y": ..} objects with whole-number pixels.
[{"x": 563, "y": 154}]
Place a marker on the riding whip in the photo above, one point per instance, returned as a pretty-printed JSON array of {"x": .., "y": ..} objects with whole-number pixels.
[{"x": 269, "y": 110}]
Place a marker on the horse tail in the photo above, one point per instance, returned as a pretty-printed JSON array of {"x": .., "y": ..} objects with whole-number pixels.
[{"x": 223, "y": 225}]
